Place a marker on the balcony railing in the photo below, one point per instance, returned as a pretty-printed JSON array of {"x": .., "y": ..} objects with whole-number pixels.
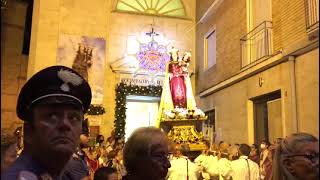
[
  {"x": 312, "y": 14},
  {"x": 257, "y": 44}
]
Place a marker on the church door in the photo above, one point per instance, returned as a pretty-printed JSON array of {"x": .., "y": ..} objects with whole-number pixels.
[{"x": 141, "y": 111}]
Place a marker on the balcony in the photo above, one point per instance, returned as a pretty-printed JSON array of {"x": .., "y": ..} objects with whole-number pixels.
[
  {"x": 312, "y": 17},
  {"x": 257, "y": 44}
]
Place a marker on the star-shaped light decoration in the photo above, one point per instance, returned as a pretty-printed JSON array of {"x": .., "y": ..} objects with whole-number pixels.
[
  {"x": 153, "y": 57},
  {"x": 146, "y": 54}
]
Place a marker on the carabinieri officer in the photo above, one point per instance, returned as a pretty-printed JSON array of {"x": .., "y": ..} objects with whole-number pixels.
[{"x": 52, "y": 104}]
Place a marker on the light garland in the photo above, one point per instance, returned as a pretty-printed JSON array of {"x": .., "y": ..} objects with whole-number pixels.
[
  {"x": 95, "y": 110},
  {"x": 122, "y": 91}
]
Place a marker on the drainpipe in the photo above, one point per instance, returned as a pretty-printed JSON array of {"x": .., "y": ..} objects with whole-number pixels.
[{"x": 292, "y": 77}]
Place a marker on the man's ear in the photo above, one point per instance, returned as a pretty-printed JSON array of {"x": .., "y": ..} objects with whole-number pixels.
[{"x": 289, "y": 165}]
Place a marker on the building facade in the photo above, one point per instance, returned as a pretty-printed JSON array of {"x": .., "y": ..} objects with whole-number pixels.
[
  {"x": 116, "y": 21},
  {"x": 258, "y": 67},
  {"x": 255, "y": 62}
]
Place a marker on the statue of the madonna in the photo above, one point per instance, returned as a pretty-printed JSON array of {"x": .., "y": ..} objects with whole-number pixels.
[{"x": 177, "y": 98}]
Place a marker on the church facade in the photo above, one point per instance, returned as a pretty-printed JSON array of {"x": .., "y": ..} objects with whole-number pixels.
[
  {"x": 119, "y": 23},
  {"x": 254, "y": 64}
]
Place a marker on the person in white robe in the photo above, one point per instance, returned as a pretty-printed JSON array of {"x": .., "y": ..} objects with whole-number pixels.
[
  {"x": 219, "y": 167},
  {"x": 244, "y": 168},
  {"x": 211, "y": 167},
  {"x": 202, "y": 158},
  {"x": 182, "y": 167},
  {"x": 208, "y": 164},
  {"x": 224, "y": 166}
]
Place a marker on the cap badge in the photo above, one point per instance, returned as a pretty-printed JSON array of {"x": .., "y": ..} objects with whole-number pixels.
[{"x": 68, "y": 77}]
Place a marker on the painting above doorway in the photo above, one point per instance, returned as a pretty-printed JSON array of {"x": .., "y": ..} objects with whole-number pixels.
[{"x": 87, "y": 56}]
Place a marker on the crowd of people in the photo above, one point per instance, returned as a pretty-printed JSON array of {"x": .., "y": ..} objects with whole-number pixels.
[
  {"x": 225, "y": 161},
  {"x": 87, "y": 160},
  {"x": 221, "y": 161},
  {"x": 52, "y": 105}
]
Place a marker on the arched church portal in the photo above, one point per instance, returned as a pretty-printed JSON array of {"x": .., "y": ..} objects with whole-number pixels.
[{"x": 132, "y": 96}]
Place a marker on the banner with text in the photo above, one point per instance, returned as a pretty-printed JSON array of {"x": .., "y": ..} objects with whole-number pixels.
[{"x": 141, "y": 80}]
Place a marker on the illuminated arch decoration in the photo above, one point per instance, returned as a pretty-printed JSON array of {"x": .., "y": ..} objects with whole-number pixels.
[
  {"x": 172, "y": 8},
  {"x": 152, "y": 57},
  {"x": 122, "y": 91}
]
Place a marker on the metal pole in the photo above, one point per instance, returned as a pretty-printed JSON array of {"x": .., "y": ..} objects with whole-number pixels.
[{"x": 187, "y": 169}]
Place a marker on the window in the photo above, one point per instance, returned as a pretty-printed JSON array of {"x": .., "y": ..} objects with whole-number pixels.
[
  {"x": 258, "y": 11},
  {"x": 209, "y": 125},
  {"x": 210, "y": 49},
  {"x": 312, "y": 15},
  {"x": 257, "y": 44},
  {"x": 211, "y": 118},
  {"x": 173, "y": 8}
]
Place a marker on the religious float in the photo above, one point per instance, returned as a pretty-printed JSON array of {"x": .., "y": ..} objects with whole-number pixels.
[{"x": 178, "y": 113}]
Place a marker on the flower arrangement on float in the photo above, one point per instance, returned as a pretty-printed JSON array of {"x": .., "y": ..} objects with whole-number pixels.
[{"x": 182, "y": 113}]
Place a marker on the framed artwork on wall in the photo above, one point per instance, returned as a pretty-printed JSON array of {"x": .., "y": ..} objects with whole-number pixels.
[{"x": 86, "y": 55}]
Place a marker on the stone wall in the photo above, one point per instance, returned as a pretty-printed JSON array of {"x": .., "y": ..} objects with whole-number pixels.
[
  {"x": 307, "y": 87},
  {"x": 232, "y": 107},
  {"x": 13, "y": 63}
]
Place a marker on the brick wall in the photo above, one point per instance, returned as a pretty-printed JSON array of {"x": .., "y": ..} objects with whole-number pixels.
[
  {"x": 13, "y": 63},
  {"x": 289, "y": 24},
  {"x": 230, "y": 22}
]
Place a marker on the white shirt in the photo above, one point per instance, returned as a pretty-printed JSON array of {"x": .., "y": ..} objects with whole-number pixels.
[
  {"x": 203, "y": 160},
  {"x": 211, "y": 165},
  {"x": 200, "y": 159},
  {"x": 224, "y": 168},
  {"x": 240, "y": 169},
  {"x": 178, "y": 169}
]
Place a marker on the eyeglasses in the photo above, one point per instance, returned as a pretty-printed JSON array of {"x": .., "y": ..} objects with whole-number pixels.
[
  {"x": 311, "y": 157},
  {"x": 161, "y": 158}
]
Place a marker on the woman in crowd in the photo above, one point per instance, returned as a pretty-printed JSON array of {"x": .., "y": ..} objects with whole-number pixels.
[
  {"x": 99, "y": 140},
  {"x": 297, "y": 158},
  {"x": 145, "y": 155},
  {"x": 265, "y": 160},
  {"x": 254, "y": 154},
  {"x": 93, "y": 162}
]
